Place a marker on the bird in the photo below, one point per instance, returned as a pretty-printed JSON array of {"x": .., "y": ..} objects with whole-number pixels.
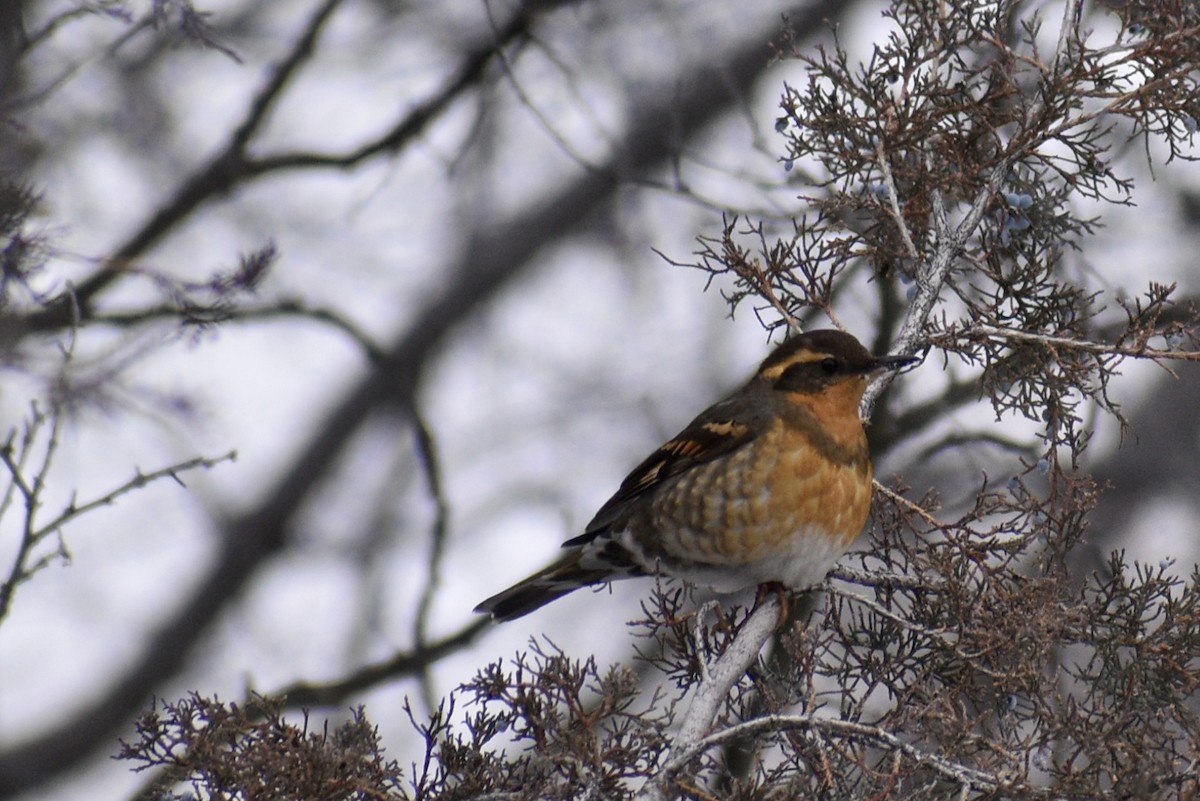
[{"x": 767, "y": 487}]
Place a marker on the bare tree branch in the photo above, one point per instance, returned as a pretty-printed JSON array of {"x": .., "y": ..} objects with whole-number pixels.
[{"x": 712, "y": 692}]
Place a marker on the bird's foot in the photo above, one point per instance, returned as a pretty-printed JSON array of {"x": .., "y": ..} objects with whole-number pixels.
[{"x": 782, "y": 594}]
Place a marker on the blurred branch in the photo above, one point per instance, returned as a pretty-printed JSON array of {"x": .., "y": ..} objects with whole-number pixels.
[
  {"x": 75, "y": 69},
  {"x": 1153, "y": 468},
  {"x": 216, "y": 178},
  {"x": 407, "y": 663},
  {"x": 470, "y": 72},
  {"x": 427, "y": 457},
  {"x": 966, "y": 439},
  {"x": 203, "y": 316},
  {"x": 918, "y": 417},
  {"x": 267, "y": 97}
]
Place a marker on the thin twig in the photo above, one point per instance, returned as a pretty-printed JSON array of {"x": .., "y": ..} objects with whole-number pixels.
[
  {"x": 31, "y": 490},
  {"x": 833, "y": 727},
  {"x": 887, "y": 614},
  {"x": 32, "y": 534},
  {"x": 289, "y": 307},
  {"x": 301, "y": 51},
  {"x": 21, "y": 569},
  {"x": 427, "y": 458},
  {"x": 882, "y": 580},
  {"x": 508, "y": 68},
  {"x": 768, "y": 292},
  {"x": 1066, "y": 343},
  {"x": 138, "y": 481},
  {"x": 74, "y": 69},
  {"x": 419, "y": 116},
  {"x": 906, "y": 503},
  {"x": 893, "y": 202}
]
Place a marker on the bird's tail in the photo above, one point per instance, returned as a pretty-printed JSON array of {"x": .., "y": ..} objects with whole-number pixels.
[{"x": 563, "y": 577}]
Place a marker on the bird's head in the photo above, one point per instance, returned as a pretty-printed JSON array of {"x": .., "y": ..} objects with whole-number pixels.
[{"x": 825, "y": 368}]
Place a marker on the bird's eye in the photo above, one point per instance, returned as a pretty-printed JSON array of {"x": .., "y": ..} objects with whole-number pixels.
[{"x": 830, "y": 366}]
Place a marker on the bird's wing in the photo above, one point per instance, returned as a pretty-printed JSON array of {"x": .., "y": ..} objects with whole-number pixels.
[{"x": 718, "y": 431}]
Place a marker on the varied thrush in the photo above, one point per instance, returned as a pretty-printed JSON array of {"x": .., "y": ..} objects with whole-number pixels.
[{"x": 769, "y": 486}]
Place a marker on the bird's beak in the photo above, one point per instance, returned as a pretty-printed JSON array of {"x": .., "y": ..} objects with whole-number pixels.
[{"x": 894, "y": 362}]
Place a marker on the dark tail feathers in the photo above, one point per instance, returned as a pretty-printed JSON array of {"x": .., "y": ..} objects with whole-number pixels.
[{"x": 563, "y": 577}]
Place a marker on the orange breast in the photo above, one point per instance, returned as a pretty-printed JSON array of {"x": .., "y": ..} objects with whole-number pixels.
[{"x": 754, "y": 504}]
